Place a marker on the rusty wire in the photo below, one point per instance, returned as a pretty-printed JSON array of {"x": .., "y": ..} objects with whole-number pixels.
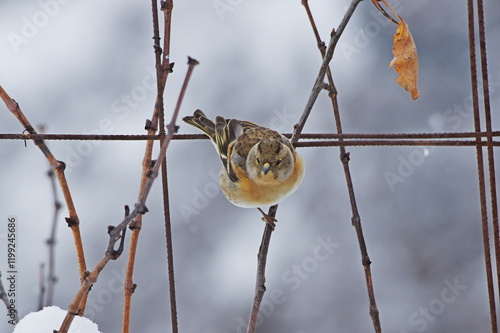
[
  {"x": 479, "y": 149},
  {"x": 318, "y": 139}
]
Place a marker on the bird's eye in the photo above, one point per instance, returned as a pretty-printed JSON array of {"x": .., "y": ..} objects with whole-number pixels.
[
  {"x": 278, "y": 162},
  {"x": 258, "y": 160}
]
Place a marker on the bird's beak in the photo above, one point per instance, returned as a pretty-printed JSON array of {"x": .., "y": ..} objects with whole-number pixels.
[{"x": 265, "y": 168}]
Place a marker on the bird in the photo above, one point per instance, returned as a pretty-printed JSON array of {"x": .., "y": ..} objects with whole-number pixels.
[{"x": 260, "y": 165}]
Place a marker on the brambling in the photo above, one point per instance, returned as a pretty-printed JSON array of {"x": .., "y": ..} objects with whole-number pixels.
[{"x": 260, "y": 166}]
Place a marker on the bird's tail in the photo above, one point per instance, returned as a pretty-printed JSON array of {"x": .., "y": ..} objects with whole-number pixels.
[{"x": 200, "y": 121}]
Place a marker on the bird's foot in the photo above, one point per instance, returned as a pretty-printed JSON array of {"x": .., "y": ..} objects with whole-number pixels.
[{"x": 268, "y": 219}]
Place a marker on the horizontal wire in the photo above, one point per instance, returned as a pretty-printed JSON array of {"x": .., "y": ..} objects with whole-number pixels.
[{"x": 323, "y": 139}]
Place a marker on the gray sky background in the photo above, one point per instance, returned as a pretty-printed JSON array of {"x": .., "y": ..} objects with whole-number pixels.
[{"x": 88, "y": 68}]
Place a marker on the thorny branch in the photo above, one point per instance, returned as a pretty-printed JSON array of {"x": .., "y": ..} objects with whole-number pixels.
[
  {"x": 344, "y": 157},
  {"x": 51, "y": 242},
  {"x": 47, "y": 299},
  {"x": 163, "y": 68},
  {"x": 58, "y": 167},
  {"x": 41, "y": 277},
  {"x": 139, "y": 209},
  {"x": 318, "y": 86}
]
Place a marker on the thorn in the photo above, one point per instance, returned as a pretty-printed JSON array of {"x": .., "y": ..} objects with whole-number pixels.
[
  {"x": 135, "y": 225},
  {"x": 192, "y": 61},
  {"x": 170, "y": 68},
  {"x": 156, "y": 47},
  {"x": 142, "y": 209},
  {"x": 71, "y": 222},
  {"x": 61, "y": 166},
  {"x": 149, "y": 125}
]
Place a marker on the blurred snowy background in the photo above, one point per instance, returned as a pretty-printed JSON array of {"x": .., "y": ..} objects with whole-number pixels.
[{"x": 87, "y": 67}]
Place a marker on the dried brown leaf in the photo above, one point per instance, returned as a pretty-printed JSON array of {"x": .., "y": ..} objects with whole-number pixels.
[{"x": 405, "y": 60}]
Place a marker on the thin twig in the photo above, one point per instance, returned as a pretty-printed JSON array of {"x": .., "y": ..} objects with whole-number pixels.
[
  {"x": 344, "y": 157},
  {"x": 41, "y": 277},
  {"x": 260, "y": 284},
  {"x": 319, "y": 83},
  {"x": 318, "y": 86},
  {"x": 139, "y": 209},
  {"x": 51, "y": 242},
  {"x": 162, "y": 71},
  {"x": 58, "y": 167}
]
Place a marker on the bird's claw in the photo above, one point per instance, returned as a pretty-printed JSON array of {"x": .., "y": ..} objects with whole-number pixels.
[{"x": 268, "y": 219}]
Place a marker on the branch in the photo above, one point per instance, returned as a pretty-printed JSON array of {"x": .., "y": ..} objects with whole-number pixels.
[
  {"x": 318, "y": 86},
  {"x": 42, "y": 287},
  {"x": 139, "y": 209},
  {"x": 319, "y": 83},
  {"x": 260, "y": 284},
  {"x": 344, "y": 157},
  {"x": 51, "y": 243},
  {"x": 58, "y": 167},
  {"x": 163, "y": 68}
]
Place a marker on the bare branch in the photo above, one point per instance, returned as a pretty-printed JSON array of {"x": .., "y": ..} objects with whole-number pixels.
[
  {"x": 344, "y": 157},
  {"x": 318, "y": 86},
  {"x": 41, "y": 296},
  {"x": 139, "y": 209},
  {"x": 163, "y": 68},
  {"x": 58, "y": 167},
  {"x": 51, "y": 242}
]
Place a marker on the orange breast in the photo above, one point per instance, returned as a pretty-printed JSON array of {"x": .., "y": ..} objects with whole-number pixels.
[{"x": 247, "y": 193}]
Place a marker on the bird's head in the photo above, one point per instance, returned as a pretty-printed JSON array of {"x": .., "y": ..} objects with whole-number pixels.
[{"x": 270, "y": 160}]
